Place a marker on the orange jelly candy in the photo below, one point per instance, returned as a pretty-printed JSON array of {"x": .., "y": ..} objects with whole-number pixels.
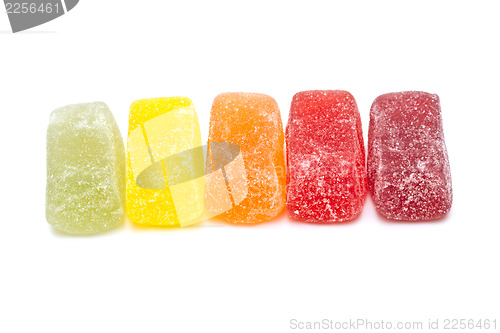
[{"x": 253, "y": 122}]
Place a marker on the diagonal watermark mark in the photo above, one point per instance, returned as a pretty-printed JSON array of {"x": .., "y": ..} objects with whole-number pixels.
[{"x": 26, "y": 14}]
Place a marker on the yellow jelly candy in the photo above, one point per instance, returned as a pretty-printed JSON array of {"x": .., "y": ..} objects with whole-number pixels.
[{"x": 165, "y": 167}]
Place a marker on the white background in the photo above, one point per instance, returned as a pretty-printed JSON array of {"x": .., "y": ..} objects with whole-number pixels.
[{"x": 216, "y": 277}]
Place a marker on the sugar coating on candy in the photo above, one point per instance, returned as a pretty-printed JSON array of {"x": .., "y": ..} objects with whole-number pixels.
[
  {"x": 163, "y": 138},
  {"x": 85, "y": 169},
  {"x": 253, "y": 122},
  {"x": 408, "y": 168},
  {"x": 326, "y": 175}
]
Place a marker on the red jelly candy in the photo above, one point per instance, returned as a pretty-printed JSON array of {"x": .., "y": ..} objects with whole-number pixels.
[
  {"x": 408, "y": 169},
  {"x": 326, "y": 175}
]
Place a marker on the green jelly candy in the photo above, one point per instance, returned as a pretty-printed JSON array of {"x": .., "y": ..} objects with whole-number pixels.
[{"x": 85, "y": 169}]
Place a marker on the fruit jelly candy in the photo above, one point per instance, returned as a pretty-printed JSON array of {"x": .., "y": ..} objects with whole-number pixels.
[
  {"x": 326, "y": 175},
  {"x": 408, "y": 169},
  {"x": 85, "y": 169},
  {"x": 253, "y": 122},
  {"x": 162, "y": 132}
]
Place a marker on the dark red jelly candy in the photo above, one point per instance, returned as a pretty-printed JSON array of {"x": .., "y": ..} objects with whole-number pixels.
[
  {"x": 326, "y": 175},
  {"x": 408, "y": 169}
]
